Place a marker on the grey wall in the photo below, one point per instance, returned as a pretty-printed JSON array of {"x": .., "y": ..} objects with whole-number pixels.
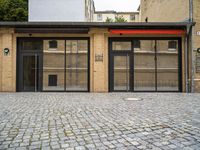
[{"x": 56, "y": 10}]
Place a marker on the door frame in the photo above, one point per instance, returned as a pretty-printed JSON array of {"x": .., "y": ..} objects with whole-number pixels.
[
  {"x": 112, "y": 71},
  {"x": 20, "y": 70},
  {"x": 19, "y": 39},
  {"x": 132, "y": 39}
]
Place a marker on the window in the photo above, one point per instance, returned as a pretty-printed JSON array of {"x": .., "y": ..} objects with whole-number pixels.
[
  {"x": 172, "y": 45},
  {"x": 53, "y": 65},
  {"x": 121, "y": 46},
  {"x": 53, "y": 44},
  {"x": 31, "y": 45},
  {"x": 52, "y": 80},
  {"x": 99, "y": 17},
  {"x": 137, "y": 44},
  {"x": 132, "y": 17}
]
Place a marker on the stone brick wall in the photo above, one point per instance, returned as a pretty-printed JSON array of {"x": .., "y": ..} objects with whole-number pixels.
[
  {"x": 98, "y": 69},
  {"x": 1, "y": 62},
  {"x": 7, "y": 63},
  {"x": 164, "y": 10},
  {"x": 196, "y": 38}
]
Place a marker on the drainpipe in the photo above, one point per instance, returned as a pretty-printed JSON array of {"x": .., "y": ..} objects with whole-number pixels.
[
  {"x": 186, "y": 63},
  {"x": 191, "y": 47}
]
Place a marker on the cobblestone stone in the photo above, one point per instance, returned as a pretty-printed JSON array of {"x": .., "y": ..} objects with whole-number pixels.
[{"x": 79, "y": 121}]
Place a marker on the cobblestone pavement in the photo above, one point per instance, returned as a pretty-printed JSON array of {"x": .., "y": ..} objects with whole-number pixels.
[{"x": 99, "y": 121}]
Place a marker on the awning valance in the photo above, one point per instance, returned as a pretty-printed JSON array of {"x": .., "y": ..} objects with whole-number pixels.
[{"x": 148, "y": 31}]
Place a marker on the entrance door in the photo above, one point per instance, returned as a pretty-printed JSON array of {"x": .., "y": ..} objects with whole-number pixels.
[
  {"x": 121, "y": 70},
  {"x": 120, "y": 66},
  {"x": 29, "y": 73}
]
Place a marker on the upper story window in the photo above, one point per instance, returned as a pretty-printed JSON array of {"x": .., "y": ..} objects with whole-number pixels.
[
  {"x": 53, "y": 44},
  {"x": 172, "y": 45},
  {"x": 132, "y": 17},
  {"x": 99, "y": 17}
]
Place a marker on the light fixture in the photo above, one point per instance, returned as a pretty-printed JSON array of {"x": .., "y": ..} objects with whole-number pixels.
[{"x": 6, "y": 51}]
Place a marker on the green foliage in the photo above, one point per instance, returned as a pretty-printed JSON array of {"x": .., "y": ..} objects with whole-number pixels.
[
  {"x": 109, "y": 19},
  {"x": 117, "y": 19},
  {"x": 13, "y": 10},
  {"x": 120, "y": 19}
]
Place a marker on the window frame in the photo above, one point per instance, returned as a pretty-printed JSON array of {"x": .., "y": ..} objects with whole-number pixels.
[
  {"x": 132, "y": 17},
  {"x": 99, "y": 17},
  {"x": 172, "y": 45},
  {"x": 54, "y": 46}
]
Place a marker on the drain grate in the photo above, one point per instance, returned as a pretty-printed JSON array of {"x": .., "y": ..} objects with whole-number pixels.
[{"x": 133, "y": 99}]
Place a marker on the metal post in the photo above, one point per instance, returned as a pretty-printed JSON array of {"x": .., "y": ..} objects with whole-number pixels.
[{"x": 186, "y": 65}]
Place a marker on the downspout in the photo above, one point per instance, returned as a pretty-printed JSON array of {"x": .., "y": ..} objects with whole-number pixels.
[
  {"x": 186, "y": 62},
  {"x": 191, "y": 47}
]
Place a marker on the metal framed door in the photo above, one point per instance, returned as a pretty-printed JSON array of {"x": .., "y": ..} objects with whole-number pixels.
[
  {"x": 29, "y": 72},
  {"x": 121, "y": 72}
]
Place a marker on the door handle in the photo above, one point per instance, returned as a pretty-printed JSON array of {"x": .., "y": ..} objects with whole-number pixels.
[{"x": 36, "y": 72}]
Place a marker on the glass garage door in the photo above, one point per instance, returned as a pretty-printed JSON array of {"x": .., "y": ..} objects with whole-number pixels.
[
  {"x": 145, "y": 66},
  {"x": 76, "y": 65},
  {"x": 50, "y": 64},
  {"x": 150, "y": 64},
  {"x": 65, "y": 65}
]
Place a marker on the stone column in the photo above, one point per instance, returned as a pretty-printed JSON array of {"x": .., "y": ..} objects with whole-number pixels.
[
  {"x": 99, "y": 60},
  {"x": 8, "y": 82}
]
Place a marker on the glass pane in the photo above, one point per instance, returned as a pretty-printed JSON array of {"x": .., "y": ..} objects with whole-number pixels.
[
  {"x": 29, "y": 73},
  {"x": 120, "y": 46},
  {"x": 53, "y": 66},
  {"x": 144, "y": 63},
  {"x": 31, "y": 45},
  {"x": 76, "y": 65},
  {"x": 121, "y": 73},
  {"x": 167, "y": 66}
]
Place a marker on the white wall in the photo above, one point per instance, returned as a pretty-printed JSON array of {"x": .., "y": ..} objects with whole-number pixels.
[{"x": 56, "y": 10}]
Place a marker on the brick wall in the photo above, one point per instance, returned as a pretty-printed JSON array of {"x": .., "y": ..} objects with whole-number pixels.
[
  {"x": 196, "y": 38},
  {"x": 164, "y": 10}
]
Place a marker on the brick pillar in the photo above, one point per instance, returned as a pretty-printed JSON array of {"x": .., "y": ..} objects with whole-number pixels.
[
  {"x": 99, "y": 60},
  {"x": 7, "y": 75}
]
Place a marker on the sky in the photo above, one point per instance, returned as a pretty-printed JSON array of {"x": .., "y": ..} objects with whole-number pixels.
[{"x": 117, "y": 5}]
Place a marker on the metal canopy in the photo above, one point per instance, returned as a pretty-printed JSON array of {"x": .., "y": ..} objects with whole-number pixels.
[
  {"x": 52, "y": 30},
  {"x": 138, "y": 25}
]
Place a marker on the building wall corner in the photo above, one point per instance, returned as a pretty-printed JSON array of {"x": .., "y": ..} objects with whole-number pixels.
[{"x": 7, "y": 61}]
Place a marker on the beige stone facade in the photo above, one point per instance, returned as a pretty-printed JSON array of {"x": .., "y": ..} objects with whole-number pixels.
[
  {"x": 164, "y": 10},
  {"x": 196, "y": 38},
  {"x": 99, "y": 71},
  {"x": 8, "y": 63}
]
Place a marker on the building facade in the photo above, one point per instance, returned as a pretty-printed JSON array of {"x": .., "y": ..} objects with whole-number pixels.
[
  {"x": 164, "y": 11},
  {"x": 102, "y": 16},
  {"x": 93, "y": 57},
  {"x": 61, "y": 11},
  {"x": 176, "y": 11}
]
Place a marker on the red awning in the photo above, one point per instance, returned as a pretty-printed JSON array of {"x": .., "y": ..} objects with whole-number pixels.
[{"x": 148, "y": 31}]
